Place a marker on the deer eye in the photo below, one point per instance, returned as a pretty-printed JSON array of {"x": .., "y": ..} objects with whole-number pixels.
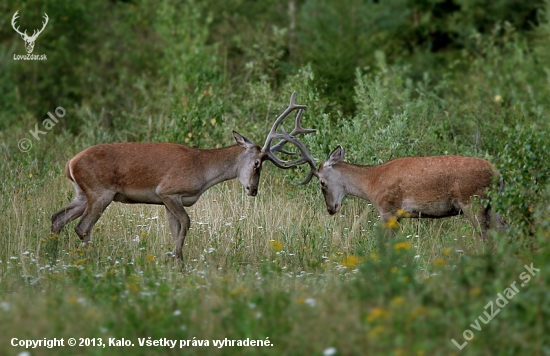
[{"x": 257, "y": 164}]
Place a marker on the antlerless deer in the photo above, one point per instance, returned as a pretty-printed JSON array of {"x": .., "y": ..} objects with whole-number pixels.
[
  {"x": 168, "y": 174},
  {"x": 415, "y": 187}
]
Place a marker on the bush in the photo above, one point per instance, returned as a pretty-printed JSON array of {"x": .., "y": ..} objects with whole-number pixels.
[{"x": 524, "y": 167}]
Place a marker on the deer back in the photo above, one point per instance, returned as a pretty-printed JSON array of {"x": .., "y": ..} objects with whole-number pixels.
[{"x": 422, "y": 180}]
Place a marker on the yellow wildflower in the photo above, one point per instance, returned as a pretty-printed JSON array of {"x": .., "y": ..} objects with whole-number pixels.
[
  {"x": 439, "y": 262},
  {"x": 393, "y": 270},
  {"x": 377, "y": 313},
  {"x": 277, "y": 245},
  {"x": 150, "y": 258},
  {"x": 374, "y": 256},
  {"x": 143, "y": 234},
  {"x": 391, "y": 223},
  {"x": 213, "y": 122},
  {"x": 402, "y": 245},
  {"x": 397, "y": 300},
  {"x": 446, "y": 251},
  {"x": 498, "y": 98},
  {"x": 475, "y": 291},
  {"x": 72, "y": 300},
  {"x": 403, "y": 214},
  {"x": 351, "y": 261},
  {"x": 300, "y": 300}
]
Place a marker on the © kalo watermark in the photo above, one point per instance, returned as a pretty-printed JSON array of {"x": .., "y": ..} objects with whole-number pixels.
[
  {"x": 501, "y": 300},
  {"x": 29, "y": 40},
  {"x": 25, "y": 144}
]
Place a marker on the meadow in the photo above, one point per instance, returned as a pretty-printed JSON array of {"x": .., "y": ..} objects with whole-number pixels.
[{"x": 275, "y": 268}]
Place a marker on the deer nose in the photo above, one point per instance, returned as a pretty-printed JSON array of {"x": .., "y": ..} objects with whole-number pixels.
[
  {"x": 333, "y": 209},
  {"x": 252, "y": 191}
]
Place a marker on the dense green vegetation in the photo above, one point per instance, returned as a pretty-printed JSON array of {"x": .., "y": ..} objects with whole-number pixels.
[{"x": 384, "y": 79}]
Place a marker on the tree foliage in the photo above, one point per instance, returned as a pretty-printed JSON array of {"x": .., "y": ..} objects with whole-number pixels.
[{"x": 386, "y": 78}]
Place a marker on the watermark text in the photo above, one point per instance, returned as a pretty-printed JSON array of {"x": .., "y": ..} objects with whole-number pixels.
[
  {"x": 492, "y": 309},
  {"x": 25, "y": 144}
]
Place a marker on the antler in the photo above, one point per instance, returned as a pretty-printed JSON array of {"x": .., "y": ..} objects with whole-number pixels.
[
  {"x": 43, "y": 26},
  {"x": 273, "y": 132},
  {"x": 34, "y": 33},
  {"x": 298, "y": 129},
  {"x": 305, "y": 156},
  {"x": 13, "y": 19}
]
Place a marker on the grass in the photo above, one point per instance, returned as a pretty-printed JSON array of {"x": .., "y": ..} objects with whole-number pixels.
[{"x": 275, "y": 266}]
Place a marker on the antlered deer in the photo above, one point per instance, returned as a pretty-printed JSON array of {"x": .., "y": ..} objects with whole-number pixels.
[
  {"x": 416, "y": 187},
  {"x": 168, "y": 174}
]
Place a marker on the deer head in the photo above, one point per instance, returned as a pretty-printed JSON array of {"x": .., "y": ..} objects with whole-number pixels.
[{"x": 29, "y": 40}]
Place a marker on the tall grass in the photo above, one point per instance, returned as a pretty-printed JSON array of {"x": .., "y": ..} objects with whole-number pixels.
[{"x": 273, "y": 266}]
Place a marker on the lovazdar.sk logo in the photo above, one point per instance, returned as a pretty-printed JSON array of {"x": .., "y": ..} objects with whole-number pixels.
[{"x": 29, "y": 40}]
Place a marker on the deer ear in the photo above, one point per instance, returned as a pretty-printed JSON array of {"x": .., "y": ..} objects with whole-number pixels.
[
  {"x": 242, "y": 141},
  {"x": 336, "y": 156}
]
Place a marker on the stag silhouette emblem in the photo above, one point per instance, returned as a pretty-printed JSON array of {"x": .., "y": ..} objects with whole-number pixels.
[{"x": 29, "y": 40}]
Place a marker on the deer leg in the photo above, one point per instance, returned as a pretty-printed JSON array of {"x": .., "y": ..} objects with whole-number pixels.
[
  {"x": 499, "y": 223},
  {"x": 484, "y": 218},
  {"x": 94, "y": 208},
  {"x": 177, "y": 212},
  {"x": 174, "y": 223},
  {"x": 69, "y": 212},
  {"x": 480, "y": 220}
]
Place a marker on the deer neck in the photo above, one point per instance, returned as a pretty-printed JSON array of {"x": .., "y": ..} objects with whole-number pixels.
[
  {"x": 357, "y": 179},
  {"x": 222, "y": 164}
]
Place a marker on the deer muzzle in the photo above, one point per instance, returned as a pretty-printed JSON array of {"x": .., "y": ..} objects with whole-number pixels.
[
  {"x": 252, "y": 190},
  {"x": 333, "y": 209}
]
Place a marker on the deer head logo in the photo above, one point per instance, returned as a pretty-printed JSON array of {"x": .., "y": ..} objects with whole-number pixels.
[{"x": 29, "y": 40}]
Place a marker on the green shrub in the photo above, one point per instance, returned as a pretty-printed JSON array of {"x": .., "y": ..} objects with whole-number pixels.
[{"x": 523, "y": 163}]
